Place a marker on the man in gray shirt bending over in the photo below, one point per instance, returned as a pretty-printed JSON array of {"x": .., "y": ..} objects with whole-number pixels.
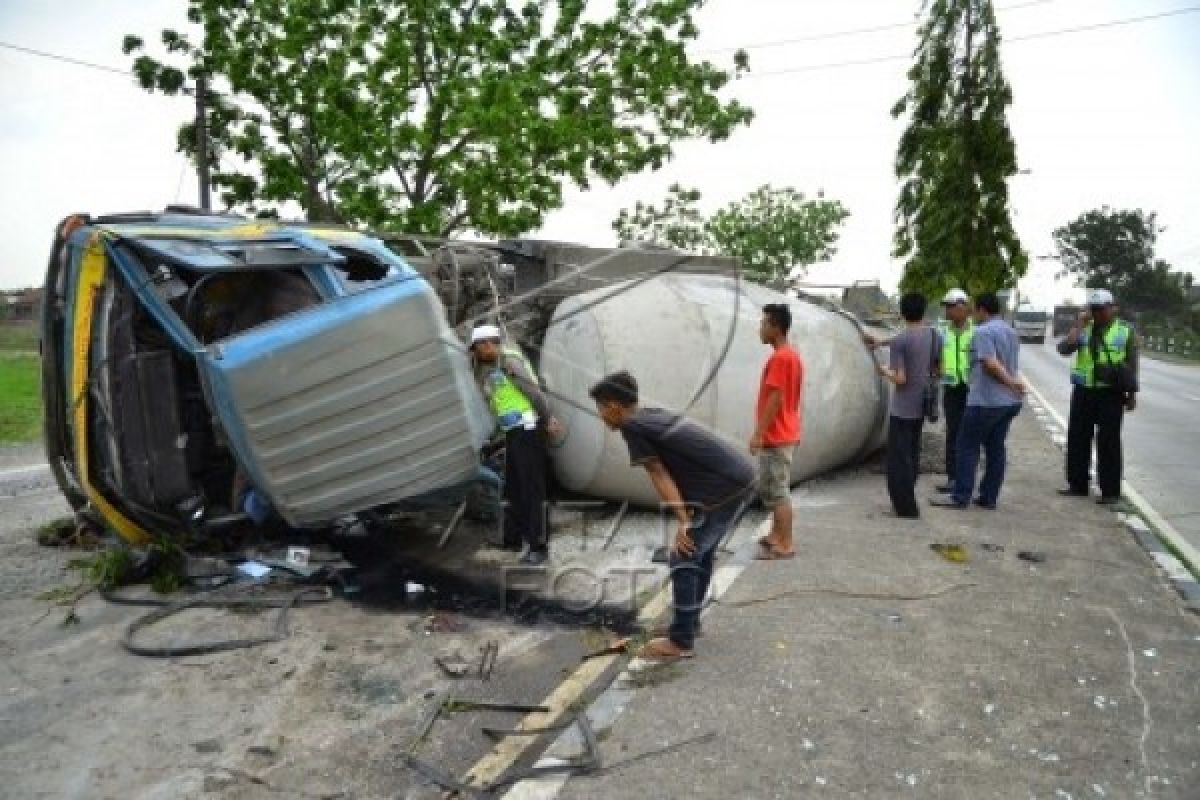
[{"x": 993, "y": 402}]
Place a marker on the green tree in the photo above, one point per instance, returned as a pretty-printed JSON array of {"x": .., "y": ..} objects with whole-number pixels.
[
  {"x": 955, "y": 157},
  {"x": 1113, "y": 249},
  {"x": 769, "y": 230},
  {"x": 432, "y": 116}
]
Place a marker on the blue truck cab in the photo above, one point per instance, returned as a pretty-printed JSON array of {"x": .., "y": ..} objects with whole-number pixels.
[{"x": 191, "y": 361}]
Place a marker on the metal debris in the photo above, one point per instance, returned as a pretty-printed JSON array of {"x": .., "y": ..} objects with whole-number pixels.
[
  {"x": 1032, "y": 556},
  {"x": 454, "y": 665},
  {"x": 487, "y": 661},
  {"x": 444, "y": 622},
  {"x": 614, "y": 648}
]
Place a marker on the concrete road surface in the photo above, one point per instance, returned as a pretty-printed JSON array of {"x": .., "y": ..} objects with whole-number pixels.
[{"x": 1162, "y": 438}]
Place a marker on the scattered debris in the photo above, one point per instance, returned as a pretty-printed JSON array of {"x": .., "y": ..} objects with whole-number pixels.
[
  {"x": 616, "y": 647},
  {"x": 616, "y": 525},
  {"x": 487, "y": 661},
  {"x": 254, "y": 569},
  {"x": 239, "y": 598},
  {"x": 991, "y": 548},
  {"x": 1150, "y": 652},
  {"x": 990, "y": 708},
  {"x": 269, "y": 748},
  {"x": 1032, "y": 556},
  {"x": 954, "y": 553},
  {"x": 453, "y": 664},
  {"x": 452, "y": 525},
  {"x": 846, "y": 593},
  {"x": 207, "y": 746},
  {"x": 444, "y": 622},
  {"x": 455, "y": 706}
]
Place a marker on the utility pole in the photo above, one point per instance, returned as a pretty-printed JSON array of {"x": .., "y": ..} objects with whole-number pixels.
[{"x": 202, "y": 142}]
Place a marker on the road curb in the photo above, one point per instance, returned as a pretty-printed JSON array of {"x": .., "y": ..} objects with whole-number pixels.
[{"x": 1175, "y": 556}]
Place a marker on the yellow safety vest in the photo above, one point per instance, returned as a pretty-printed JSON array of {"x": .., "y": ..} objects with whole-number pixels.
[
  {"x": 508, "y": 403},
  {"x": 1112, "y": 352},
  {"x": 956, "y": 353}
]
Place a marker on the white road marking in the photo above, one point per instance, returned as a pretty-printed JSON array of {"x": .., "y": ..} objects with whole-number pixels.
[{"x": 16, "y": 472}]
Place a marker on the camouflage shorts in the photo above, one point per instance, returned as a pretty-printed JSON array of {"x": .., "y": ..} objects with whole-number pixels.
[{"x": 774, "y": 474}]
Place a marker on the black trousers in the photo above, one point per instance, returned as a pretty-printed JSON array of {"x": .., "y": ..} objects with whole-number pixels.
[
  {"x": 525, "y": 488},
  {"x": 1098, "y": 413},
  {"x": 954, "y": 403},
  {"x": 903, "y": 461}
]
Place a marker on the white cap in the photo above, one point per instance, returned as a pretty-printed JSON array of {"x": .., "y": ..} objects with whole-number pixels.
[
  {"x": 1100, "y": 297},
  {"x": 955, "y": 297},
  {"x": 482, "y": 333}
]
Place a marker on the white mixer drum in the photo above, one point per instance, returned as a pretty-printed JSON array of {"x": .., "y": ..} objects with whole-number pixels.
[{"x": 692, "y": 343}]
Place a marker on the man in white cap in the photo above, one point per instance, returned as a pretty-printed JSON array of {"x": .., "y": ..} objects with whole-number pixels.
[
  {"x": 1105, "y": 377},
  {"x": 957, "y": 330},
  {"x": 511, "y": 389}
]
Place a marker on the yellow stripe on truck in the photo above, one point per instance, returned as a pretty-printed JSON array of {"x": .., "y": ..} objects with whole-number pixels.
[{"x": 91, "y": 280}]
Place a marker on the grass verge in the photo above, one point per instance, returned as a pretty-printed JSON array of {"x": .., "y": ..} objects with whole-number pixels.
[{"x": 20, "y": 398}]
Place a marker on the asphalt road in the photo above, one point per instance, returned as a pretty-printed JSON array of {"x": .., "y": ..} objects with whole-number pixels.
[{"x": 1162, "y": 438}]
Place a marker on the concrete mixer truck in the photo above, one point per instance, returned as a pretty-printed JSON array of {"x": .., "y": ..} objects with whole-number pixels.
[{"x": 204, "y": 371}]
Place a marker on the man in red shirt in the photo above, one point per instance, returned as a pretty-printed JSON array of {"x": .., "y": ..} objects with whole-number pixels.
[{"x": 778, "y": 429}]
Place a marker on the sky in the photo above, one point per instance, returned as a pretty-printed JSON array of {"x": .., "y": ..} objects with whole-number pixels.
[{"x": 1104, "y": 116}]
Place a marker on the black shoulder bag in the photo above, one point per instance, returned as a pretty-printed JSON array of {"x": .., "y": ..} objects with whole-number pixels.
[
  {"x": 1118, "y": 376},
  {"x": 933, "y": 388}
]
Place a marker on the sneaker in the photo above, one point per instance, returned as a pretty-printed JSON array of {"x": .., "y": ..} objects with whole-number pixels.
[
  {"x": 512, "y": 547},
  {"x": 1071, "y": 492},
  {"x": 945, "y": 488},
  {"x": 947, "y": 502},
  {"x": 987, "y": 506}
]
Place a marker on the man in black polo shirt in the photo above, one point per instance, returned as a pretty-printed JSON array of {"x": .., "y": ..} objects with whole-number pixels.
[{"x": 703, "y": 480}]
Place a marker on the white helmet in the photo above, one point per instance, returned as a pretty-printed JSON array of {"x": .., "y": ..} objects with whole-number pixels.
[
  {"x": 955, "y": 297},
  {"x": 482, "y": 333},
  {"x": 1100, "y": 297}
]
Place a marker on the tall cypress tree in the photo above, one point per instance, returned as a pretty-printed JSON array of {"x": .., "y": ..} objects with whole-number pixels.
[{"x": 955, "y": 158}]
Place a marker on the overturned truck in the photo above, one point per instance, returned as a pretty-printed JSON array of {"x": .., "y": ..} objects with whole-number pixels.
[{"x": 202, "y": 372}]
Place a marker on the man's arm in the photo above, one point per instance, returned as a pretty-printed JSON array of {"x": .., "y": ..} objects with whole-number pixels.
[
  {"x": 668, "y": 493},
  {"x": 1133, "y": 358},
  {"x": 528, "y": 386},
  {"x": 1071, "y": 342},
  {"x": 769, "y": 412},
  {"x": 997, "y": 371}
]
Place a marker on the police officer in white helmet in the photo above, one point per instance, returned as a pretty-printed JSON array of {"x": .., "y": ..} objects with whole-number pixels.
[
  {"x": 1105, "y": 380},
  {"x": 522, "y": 413}
]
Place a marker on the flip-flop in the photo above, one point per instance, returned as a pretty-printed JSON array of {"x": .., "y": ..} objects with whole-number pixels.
[
  {"x": 771, "y": 554},
  {"x": 663, "y": 649}
]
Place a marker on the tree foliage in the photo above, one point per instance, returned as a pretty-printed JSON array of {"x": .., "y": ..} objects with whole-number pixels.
[
  {"x": 1113, "y": 249},
  {"x": 955, "y": 157},
  {"x": 769, "y": 230},
  {"x": 436, "y": 115}
]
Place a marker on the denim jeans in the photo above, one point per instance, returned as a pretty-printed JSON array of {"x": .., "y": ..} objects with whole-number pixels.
[
  {"x": 986, "y": 427},
  {"x": 690, "y": 575}
]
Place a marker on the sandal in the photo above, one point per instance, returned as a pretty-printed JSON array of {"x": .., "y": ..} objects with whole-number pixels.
[
  {"x": 664, "y": 631},
  {"x": 771, "y": 554},
  {"x": 663, "y": 649}
]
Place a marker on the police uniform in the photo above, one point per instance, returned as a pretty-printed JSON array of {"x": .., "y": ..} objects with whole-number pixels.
[
  {"x": 525, "y": 448},
  {"x": 1097, "y": 408},
  {"x": 956, "y": 373}
]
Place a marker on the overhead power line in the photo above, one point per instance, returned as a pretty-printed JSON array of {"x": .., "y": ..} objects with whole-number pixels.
[
  {"x": 788, "y": 71},
  {"x": 65, "y": 59},
  {"x": 818, "y": 37},
  {"x": 1008, "y": 39}
]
